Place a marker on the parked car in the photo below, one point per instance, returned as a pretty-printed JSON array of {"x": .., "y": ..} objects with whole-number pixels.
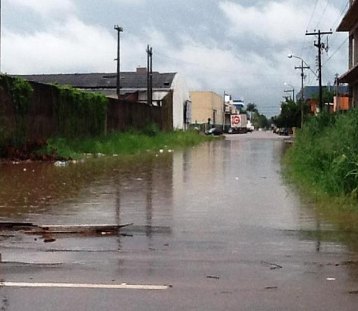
[
  {"x": 238, "y": 130},
  {"x": 283, "y": 131},
  {"x": 214, "y": 131}
]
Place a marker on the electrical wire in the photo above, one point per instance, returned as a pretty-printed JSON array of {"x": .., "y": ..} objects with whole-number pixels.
[
  {"x": 307, "y": 25},
  {"x": 322, "y": 15},
  {"x": 314, "y": 10},
  {"x": 343, "y": 11},
  {"x": 335, "y": 24},
  {"x": 335, "y": 52}
]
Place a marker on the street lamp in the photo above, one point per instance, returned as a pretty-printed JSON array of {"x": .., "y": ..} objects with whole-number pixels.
[
  {"x": 302, "y": 68},
  {"x": 292, "y": 90},
  {"x": 119, "y": 30},
  {"x": 294, "y": 56}
]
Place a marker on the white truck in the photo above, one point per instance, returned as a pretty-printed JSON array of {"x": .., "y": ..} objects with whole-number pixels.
[{"x": 238, "y": 124}]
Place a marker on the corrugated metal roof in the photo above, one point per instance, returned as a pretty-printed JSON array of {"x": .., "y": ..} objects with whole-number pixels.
[{"x": 129, "y": 80}]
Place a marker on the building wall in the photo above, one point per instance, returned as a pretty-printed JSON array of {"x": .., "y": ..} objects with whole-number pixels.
[
  {"x": 42, "y": 123},
  {"x": 205, "y": 105},
  {"x": 353, "y": 59},
  {"x": 181, "y": 96},
  {"x": 341, "y": 103},
  {"x": 354, "y": 94}
]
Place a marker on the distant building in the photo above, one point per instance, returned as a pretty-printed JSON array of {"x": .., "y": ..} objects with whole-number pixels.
[
  {"x": 207, "y": 108},
  {"x": 340, "y": 99},
  {"x": 232, "y": 106},
  {"x": 349, "y": 24},
  {"x": 133, "y": 87},
  {"x": 239, "y": 104},
  {"x": 312, "y": 92}
]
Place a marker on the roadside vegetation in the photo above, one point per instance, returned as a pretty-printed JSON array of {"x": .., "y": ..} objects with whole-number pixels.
[
  {"x": 132, "y": 142},
  {"x": 257, "y": 119},
  {"x": 324, "y": 159},
  {"x": 78, "y": 126}
]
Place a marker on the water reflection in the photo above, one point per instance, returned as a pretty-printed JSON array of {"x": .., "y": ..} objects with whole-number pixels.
[
  {"x": 224, "y": 199},
  {"x": 95, "y": 191}
]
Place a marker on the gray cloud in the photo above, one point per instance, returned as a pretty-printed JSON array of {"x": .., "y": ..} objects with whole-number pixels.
[{"x": 237, "y": 46}]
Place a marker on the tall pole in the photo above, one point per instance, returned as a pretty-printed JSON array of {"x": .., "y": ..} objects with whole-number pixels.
[
  {"x": 291, "y": 91},
  {"x": 319, "y": 46},
  {"x": 302, "y": 78},
  {"x": 148, "y": 82},
  {"x": 119, "y": 30},
  {"x": 224, "y": 112},
  {"x": 149, "y": 75},
  {"x": 337, "y": 93}
]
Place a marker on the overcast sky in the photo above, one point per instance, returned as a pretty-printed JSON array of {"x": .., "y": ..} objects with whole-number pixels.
[{"x": 237, "y": 46}]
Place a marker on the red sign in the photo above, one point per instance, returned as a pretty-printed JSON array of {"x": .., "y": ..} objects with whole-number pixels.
[{"x": 235, "y": 120}]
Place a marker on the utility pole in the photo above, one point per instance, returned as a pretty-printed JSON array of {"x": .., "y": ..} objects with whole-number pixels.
[
  {"x": 336, "y": 80},
  {"x": 319, "y": 45},
  {"x": 293, "y": 93},
  {"x": 119, "y": 30},
  {"x": 290, "y": 90},
  {"x": 224, "y": 112},
  {"x": 302, "y": 68},
  {"x": 149, "y": 75}
]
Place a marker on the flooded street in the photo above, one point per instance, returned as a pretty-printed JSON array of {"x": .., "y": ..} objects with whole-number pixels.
[{"x": 216, "y": 225}]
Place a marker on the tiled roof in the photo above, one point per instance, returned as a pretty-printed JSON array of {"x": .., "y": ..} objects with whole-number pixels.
[{"x": 129, "y": 80}]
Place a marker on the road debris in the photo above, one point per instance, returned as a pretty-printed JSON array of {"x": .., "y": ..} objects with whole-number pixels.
[
  {"x": 45, "y": 230},
  {"x": 49, "y": 239},
  {"x": 273, "y": 266},
  {"x": 271, "y": 287},
  {"x": 213, "y": 277}
]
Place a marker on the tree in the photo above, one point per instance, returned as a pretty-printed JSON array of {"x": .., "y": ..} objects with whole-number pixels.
[
  {"x": 259, "y": 120},
  {"x": 251, "y": 107},
  {"x": 290, "y": 115}
]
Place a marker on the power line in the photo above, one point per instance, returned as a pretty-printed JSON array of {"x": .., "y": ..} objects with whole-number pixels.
[
  {"x": 334, "y": 53},
  {"x": 334, "y": 24},
  {"x": 322, "y": 15},
  {"x": 336, "y": 35},
  {"x": 211, "y": 69},
  {"x": 342, "y": 13},
  {"x": 308, "y": 24},
  {"x": 314, "y": 10}
]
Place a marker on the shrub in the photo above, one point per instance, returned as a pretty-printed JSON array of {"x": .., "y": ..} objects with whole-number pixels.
[{"x": 325, "y": 154}]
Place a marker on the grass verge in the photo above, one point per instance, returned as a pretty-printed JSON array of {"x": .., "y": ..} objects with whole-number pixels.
[
  {"x": 323, "y": 164},
  {"x": 123, "y": 143}
]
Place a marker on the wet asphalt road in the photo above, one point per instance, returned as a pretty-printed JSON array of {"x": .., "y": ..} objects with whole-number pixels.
[{"x": 217, "y": 223}]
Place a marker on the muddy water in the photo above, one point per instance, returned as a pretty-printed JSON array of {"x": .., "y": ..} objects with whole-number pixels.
[
  {"x": 222, "y": 208},
  {"x": 228, "y": 185}
]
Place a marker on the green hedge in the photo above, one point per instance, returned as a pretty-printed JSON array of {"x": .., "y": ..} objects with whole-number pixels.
[
  {"x": 80, "y": 114},
  {"x": 20, "y": 94},
  {"x": 324, "y": 156}
]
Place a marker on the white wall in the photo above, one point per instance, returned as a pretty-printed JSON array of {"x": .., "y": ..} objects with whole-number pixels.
[{"x": 180, "y": 96}]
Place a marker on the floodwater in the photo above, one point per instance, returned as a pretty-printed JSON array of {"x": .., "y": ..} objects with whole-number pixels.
[{"x": 219, "y": 212}]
